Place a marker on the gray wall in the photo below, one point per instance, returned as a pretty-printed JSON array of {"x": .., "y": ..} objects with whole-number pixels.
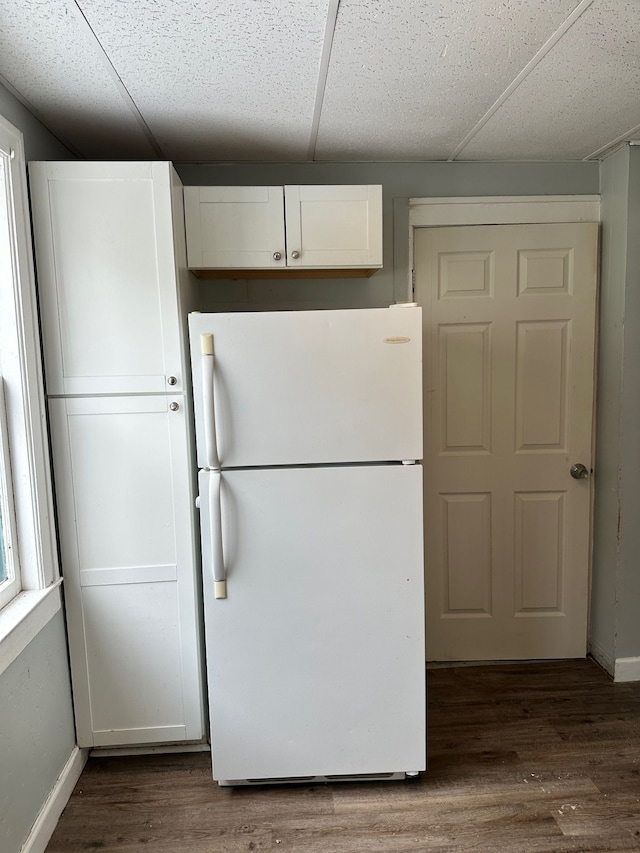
[
  {"x": 37, "y": 732},
  {"x": 616, "y": 582},
  {"x": 400, "y": 182},
  {"x": 628, "y": 624},
  {"x": 39, "y": 143},
  {"x": 614, "y": 203},
  {"x": 615, "y": 627}
]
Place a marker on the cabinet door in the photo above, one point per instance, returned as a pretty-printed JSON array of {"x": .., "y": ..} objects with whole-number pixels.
[
  {"x": 334, "y": 226},
  {"x": 231, "y": 227},
  {"x": 128, "y": 554},
  {"x": 106, "y": 276}
]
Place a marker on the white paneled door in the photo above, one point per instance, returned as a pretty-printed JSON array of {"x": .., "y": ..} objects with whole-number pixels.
[{"x": 509, "y": 313}]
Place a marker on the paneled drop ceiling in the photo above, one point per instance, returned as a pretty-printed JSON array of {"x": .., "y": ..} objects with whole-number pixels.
[{"x": 327, "y": 80}]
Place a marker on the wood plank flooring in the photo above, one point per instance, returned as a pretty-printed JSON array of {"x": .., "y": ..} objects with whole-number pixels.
[{"x": 522, "y": 758}]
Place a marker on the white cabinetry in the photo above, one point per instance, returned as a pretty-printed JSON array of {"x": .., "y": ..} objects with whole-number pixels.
[
  {"x": 291, "y": 229},
  {"x": 107, "y": 277},
  {"x": 122, "y": 485},
  {"x": 110, "y": 253}
]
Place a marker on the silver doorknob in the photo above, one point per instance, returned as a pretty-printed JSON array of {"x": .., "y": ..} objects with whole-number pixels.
[
  {"x": 277, "y": 256},
  {"x": 295, "y": 255},
  {"x": 578, "y": 471},
  {"x": 172, "y": 380},
  {"x": 174, "y": 406}
]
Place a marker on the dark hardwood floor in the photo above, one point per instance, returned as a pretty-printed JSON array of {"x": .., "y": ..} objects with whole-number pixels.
[{"x": 526, "y": 757}]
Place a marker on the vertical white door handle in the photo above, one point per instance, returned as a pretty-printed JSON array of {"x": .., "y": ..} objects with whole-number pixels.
[
  {"x": 208, "y": 401},
  {"x": 217, "y": 556}
]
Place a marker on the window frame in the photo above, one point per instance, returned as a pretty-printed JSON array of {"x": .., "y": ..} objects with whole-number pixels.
[{"x": 35, "y": 544}]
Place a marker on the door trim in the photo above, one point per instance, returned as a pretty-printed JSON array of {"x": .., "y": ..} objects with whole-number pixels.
[{"x": 503, "y": 210}]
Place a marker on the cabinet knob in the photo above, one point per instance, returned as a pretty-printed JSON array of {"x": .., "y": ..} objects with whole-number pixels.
[
  {"x": 295, "y": 255},
  {"x": 174, "y": 406},
  {"x": 172, "y": 380},
  {"x": 277, "y": 256}
]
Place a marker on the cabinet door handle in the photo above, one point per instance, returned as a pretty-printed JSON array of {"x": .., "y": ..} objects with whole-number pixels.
[
  {"x": 171, "y": 380},
  {"x": 174, "y": 406},
  {"x": 295, "y": 255},
  {"x": 277, "y": 256}
]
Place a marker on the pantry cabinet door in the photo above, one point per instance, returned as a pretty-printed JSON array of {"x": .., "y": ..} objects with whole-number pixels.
[
  {"x": 127, "y": 544},
  {"x": 106, "y": 276},
  {"x": 234, "y": 227},
  {"x": 334, "y": 226}
]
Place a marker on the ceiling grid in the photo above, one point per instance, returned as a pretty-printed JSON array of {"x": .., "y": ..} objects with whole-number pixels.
[
  {"x": 544, "y": 50},
  {"x": 328, "y": 80}
]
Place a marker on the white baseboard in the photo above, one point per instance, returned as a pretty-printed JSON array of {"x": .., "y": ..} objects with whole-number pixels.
[
  {"x": 602, "y": 658},
  {"x": 47, "y": 820},
  {"x": 627, "y": 669}
]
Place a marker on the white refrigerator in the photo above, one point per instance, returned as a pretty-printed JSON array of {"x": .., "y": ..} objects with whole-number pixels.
[{"x": 309, "y": 437}]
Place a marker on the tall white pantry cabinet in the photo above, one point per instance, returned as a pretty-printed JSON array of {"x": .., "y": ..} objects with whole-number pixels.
[{"x": 114, "y": 293}]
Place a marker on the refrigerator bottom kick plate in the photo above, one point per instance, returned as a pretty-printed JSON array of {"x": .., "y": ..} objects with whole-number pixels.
[{"x": 306, "y": 780}]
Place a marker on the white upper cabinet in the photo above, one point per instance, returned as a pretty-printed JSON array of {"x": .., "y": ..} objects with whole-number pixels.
[
  {"x": 235, "y": 227},
  {"x": 107, "y": 277},
  {"x": 293, "y": 228},
  {"x": 335, "y": 226}
]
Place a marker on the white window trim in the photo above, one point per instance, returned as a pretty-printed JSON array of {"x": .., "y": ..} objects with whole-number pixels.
[
  {"x": 12, "y": 585},
  {"x": 23, "y": 619},
  {"x": 27, "y": 427}
]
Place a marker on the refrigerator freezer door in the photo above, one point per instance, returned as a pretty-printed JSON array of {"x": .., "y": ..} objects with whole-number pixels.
[
  {"x": 304, "y": 387},
  {"x": 316, "y": 657}
]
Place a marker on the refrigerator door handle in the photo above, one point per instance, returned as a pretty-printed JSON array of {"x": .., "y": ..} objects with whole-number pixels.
[
  {"x": 208, "y": 401},
  {"x": 217, "y": 556}
]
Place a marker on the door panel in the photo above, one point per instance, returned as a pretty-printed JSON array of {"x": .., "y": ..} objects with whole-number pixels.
[
  {"x": 122, "y": 487},
  {"x": 542, "y": 390},
  {"x": 231, "y": 227},
  {"x": 302, "y": 387},
  {"x": 334, "y": 226},
  {"x": 509, "y": 371},
  {"x": 106, "y": 276},
  {"x": 465, "y": 352},
  {"x": 316, "y": 657},
  {"x": 132, "y": 636}
]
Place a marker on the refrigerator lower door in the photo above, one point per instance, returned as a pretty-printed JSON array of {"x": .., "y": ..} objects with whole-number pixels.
[{"x": 315, "y": 659}]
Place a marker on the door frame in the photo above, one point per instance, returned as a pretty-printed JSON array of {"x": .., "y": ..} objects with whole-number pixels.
[{"x": 514, "y": 210}]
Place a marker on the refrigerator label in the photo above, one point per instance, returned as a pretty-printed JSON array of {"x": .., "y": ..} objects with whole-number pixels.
[{"x": 397, "y": 340}]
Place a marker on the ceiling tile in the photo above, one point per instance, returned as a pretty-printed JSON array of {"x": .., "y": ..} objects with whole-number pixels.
[
  {"x": 47, "y": 55},
  {"x": 408, "y": 81},
  {"x": 581, "y": 96},
  {"x": 230, "y": 80}
]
